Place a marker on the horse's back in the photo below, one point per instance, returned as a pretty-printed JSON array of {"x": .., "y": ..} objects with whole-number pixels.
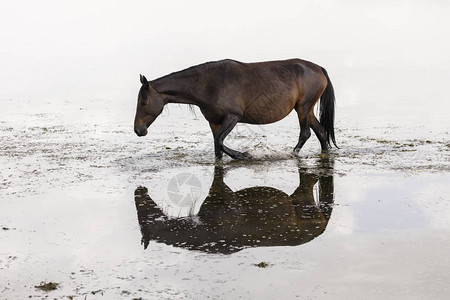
[{"x": 272, "y": 76}]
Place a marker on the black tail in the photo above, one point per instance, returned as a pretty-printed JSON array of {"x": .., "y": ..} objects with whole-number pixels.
[{"x": 327, "y": 110}]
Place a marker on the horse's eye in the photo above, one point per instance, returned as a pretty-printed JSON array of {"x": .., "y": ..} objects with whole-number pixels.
[{"x": 143, "y": 103}]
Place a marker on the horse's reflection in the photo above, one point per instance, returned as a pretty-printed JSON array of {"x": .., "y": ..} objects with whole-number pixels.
[{"x": 258, "y": 216}]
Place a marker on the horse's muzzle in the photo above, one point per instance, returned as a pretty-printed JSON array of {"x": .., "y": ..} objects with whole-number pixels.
[{"x": 140, "y": 131}]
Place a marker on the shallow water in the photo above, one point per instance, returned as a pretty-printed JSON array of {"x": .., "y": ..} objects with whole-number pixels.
[{"x": 87, "y": 204}]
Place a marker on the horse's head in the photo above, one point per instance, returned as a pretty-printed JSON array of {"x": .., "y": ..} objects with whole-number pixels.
[{"x": 150, "y": 105}]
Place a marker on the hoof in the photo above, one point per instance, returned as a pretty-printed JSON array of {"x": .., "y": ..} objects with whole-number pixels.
[
  {"x": 326, "y": 148},
  {"x": 242, "y": 156},
  {"x": 247, "y": 155}
]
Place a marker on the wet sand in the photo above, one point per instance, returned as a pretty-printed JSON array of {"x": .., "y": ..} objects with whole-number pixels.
[{"x": 80, "y": 192}]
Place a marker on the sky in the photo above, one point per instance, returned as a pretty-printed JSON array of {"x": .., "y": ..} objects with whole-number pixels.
[{"x": 79, "y": 50}]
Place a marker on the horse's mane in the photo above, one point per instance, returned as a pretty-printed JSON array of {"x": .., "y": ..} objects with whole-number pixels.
[{"x": 199, "y": 68}]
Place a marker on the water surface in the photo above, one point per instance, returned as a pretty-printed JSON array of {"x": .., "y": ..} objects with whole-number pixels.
[{"x": 88, "y": 205}]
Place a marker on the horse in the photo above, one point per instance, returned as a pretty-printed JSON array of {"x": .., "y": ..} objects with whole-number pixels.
[
  {"x": 230, "y": 92},
  {"x": 229, "y": 221}
]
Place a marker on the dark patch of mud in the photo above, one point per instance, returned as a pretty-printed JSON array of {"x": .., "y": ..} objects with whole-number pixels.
[
  {"x": 47, "y": 287},
  {"x": 262, "y": 264}
]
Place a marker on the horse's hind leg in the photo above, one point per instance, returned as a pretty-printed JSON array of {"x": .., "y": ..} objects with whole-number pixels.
[
  {"x": 319, "y": 131},
  {"x": 225, "y": 128},
  {"x": 305, "y": 132}
]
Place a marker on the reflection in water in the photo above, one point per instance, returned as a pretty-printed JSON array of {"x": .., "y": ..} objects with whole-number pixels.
[{"x": 258, "y": 216}]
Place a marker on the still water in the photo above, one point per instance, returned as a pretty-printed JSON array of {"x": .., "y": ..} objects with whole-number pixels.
[{"x": 87, "y": 205}]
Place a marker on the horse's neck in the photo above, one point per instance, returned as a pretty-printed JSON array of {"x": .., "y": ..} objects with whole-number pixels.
[{"x": 179, "y": 88}]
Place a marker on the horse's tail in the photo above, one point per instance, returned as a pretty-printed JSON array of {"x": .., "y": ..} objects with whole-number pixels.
[{"x": 327, "y": 101}]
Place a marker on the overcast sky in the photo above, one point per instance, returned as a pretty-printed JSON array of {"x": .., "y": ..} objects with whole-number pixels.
[{"x": 96, "y": 49}]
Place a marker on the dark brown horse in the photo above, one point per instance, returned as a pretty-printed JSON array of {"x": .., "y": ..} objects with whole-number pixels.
[{"x": 228, "y": 92}]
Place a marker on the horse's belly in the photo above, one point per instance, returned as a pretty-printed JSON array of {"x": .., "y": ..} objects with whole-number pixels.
[{"x": 265, "y": 112}]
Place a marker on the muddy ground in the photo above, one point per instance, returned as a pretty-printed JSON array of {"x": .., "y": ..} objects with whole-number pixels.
[{"x": 80, "y": 192}]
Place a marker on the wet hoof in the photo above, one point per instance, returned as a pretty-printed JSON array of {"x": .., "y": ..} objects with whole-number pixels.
[
  {"x": 242, "y": 156},
  {"x": 247, "y": 155}
]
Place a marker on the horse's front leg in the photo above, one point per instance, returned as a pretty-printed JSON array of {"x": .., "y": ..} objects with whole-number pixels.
[
  {"x": 227, "y": 125},
  {"x": 215, "y": 128}
]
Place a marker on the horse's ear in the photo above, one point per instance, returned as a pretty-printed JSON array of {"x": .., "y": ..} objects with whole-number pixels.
[{"x": 144, "y": 80}]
